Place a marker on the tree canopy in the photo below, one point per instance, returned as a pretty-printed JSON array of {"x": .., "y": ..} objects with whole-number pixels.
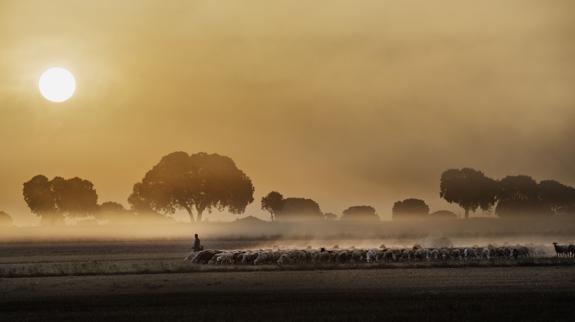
[
  {"x": 443, "y": 214},
  {"x": 410, "y": 209},
  {"x": 199, "y": 181},
  {"x": 360, "y": 213},
  {"x": 468, "y": 188},
  {"x": 559, "y": 198},
  {"x": 55, "y": 199},
  {"x": 519, "y": 196},
  {"x": 273, "y": 203},
  {"x": 329, "y": 216},
  {"x": 296, "y": 209}
]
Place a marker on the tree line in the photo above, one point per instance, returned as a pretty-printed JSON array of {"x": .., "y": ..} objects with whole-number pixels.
[
  {"x": 200, "y": 183},
  {"x": 511, "y": 196}
]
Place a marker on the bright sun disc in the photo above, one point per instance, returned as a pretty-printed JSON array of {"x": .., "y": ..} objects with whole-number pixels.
[{"x": 57, "y": 84}]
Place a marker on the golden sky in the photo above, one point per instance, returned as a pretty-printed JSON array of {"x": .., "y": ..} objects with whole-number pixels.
[{"x": 346, "y": 102}]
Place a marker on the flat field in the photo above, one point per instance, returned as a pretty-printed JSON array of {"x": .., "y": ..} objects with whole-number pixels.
[
  {"x": 147, "y": 281},
  {"x": 422, "y": 294}
]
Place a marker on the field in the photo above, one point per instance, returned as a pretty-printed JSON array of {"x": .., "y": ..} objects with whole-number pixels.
[
  {"x": 147, "y": 280},
  {"x": 473, "y": 294}
]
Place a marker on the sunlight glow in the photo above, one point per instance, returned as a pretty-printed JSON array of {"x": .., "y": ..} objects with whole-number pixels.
[{"x": 57, "y": 84}]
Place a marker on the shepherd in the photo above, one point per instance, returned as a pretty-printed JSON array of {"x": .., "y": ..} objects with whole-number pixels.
[{"x": 197, "y": 244}]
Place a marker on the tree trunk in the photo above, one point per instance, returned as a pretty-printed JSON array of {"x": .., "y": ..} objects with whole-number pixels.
[
  {"x": 200, "y": 211},
  {"x": 466, "y": 213},
  {"x": 189, "y": 210}
]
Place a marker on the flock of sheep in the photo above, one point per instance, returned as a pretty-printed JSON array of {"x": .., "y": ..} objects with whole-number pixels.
[
  {"x": 564, "y": 250},
  {"x": 282, "y": 257}
]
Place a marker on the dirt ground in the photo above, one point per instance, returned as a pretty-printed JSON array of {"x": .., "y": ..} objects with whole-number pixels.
[{"x": 425, "y": 294}]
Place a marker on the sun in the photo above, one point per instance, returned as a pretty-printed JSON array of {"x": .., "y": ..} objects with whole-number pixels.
[{"x": 57, "y": 84}]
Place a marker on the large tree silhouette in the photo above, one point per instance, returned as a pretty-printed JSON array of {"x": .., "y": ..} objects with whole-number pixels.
[
  {"x": 410, "y": 209},
  {"x": 41, "y": 199},
  {"x": 558, "y": 197},
  {"x": 199, "y": 181},
  {"x": 468, "y": 188},
  {"x": 360, "y": 213},
  {"x": 54, "y": 199},
  {"x": 273, "y": 203},
  {"x": 519, "y": 196}
]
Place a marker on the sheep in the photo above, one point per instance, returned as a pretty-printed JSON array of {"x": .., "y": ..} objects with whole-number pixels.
[
  {"x": 434, "y": 254},
  {"x": 225, "y": 258},
  {"x": 561, "y": 250},
  {"x": 469, "y": 253},
  {"x": 248, "y": 258},
  {"x": 294, "y": 257},
  {"x": 373, "y": 255},
  {"x": 358, "y": 255},
  {"x": 264, "y": 257},
  {"x": 455, "y": 253},
  {"x": 203, "y": 256},
  {"x": 342, "y": 256},
  {"x": 421, "y": 254}
]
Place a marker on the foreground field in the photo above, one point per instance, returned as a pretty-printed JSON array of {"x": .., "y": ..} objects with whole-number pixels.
[{"x": 473, "y": 294}]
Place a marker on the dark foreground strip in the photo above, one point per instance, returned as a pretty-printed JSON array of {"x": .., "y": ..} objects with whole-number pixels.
[{"x": 299, "y": 306}]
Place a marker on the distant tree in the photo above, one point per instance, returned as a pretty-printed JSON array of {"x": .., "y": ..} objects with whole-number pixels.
[
  {"x": 519, "y": 197},
  {"x": 410, "y": 209},
  {"x": 115, "y": 212},
  {"x": 41, "y": 199},
  {"x": 111, "y": 206},
  {"x": 360, "y": 213},
  {"x": 273, "y": 203},
  {"x": 199, "y": 181},
  {"x": 329, "y": 216},
  {"x": 557, "y": 196},
  {"x": 5, "y": 219},
  {"x": 443, "y": 214},
  {"x": 54, "y": 199},
  {"x": 295, "y": 209},
  {"x": 75, "y": 196},
  {"x": 468, "y": 188}
]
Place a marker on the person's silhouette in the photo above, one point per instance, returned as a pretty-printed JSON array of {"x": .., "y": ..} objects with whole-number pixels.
[{"x": 197, "y": 244}]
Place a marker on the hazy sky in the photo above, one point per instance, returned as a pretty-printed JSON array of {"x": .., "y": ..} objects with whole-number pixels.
[{"x": 346, "y": 102}]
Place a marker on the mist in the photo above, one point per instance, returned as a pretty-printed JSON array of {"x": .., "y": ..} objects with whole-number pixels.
[{"x": 362, "y": 102}]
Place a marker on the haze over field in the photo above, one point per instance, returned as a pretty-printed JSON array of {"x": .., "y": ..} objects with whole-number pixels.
[{"x": 345, "y": 102}]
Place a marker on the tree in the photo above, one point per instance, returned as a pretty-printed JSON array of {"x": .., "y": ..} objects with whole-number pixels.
[
  {"x": 410, "y": 209},
  {"x": 519, "y": 196},
  {"x": 75, "y": 196},
  {"x": 115, "y": 212},
  {"x": 272, "y": 203},
  {"x": 468, "y": 188},
  {"x": 557, "y": 196},
  {"x": 360, "y": 213},
  {"x": 41, "y": 199},
  {"x": 5, "y": 219},
  {"x": 443, "y": 214},
  {"x": 199, "y": 181},
  {"x": 55, "y": 199},
  {"x": 296, "y": 209},
  {"x": 330, "y": 216}
]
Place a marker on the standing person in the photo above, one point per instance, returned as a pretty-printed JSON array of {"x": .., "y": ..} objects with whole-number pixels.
[{"x": 197, "y": 244}]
